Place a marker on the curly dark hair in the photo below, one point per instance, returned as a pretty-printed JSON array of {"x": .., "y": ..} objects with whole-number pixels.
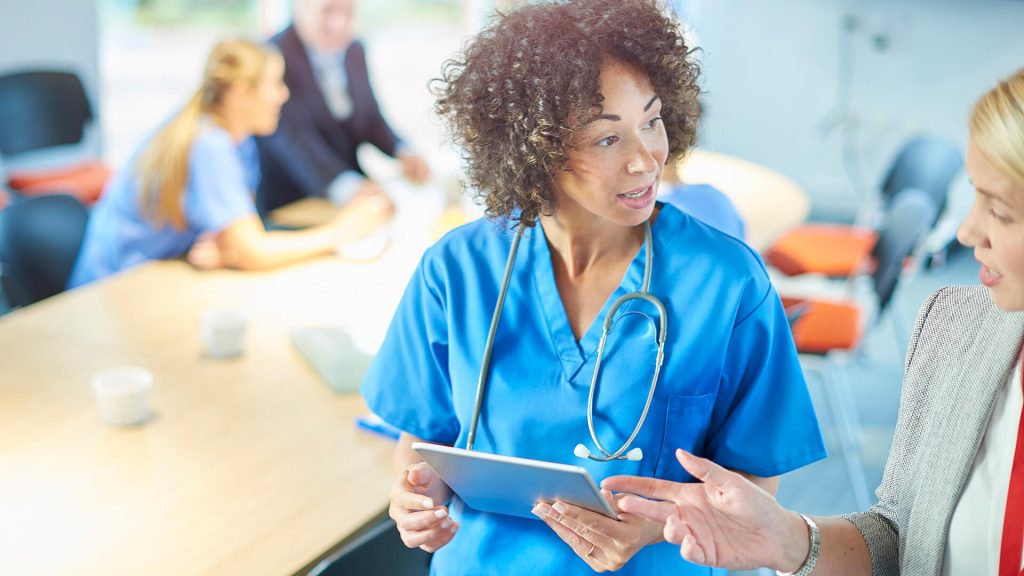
[{"x": 515, "y": 96}]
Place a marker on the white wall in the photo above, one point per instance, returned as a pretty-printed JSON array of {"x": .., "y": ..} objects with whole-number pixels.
[
  {"x": 771, "y": 71},
  {"x": 56, "y": 34}
]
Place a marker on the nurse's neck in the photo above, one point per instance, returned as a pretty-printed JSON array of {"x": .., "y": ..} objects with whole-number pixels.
[
  {"x": 233, "y": 122},
  {"x": 589, "y": 245}
]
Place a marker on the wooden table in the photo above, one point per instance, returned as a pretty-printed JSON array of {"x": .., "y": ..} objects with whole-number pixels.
[
  {"x": 249, "y": 466},
  {"x": 769, "y": 202}
]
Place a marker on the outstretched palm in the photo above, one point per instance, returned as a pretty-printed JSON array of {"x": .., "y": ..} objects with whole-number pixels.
[{"x": 724, "y": 520}]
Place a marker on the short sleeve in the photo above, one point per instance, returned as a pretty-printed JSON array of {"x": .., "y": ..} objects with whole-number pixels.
[
  {"x": 408, "y": 383},
  {"x": 218, "y": 191},
  {"x": 764, "y": 422}
]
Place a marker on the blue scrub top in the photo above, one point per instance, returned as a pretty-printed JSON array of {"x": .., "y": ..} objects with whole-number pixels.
[
  {"x": 222, "y": 178},
  {"x": 731, "y": 388}
]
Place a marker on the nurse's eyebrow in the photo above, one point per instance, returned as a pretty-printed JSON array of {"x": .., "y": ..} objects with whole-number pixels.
[{"x": 616, "y": 117}]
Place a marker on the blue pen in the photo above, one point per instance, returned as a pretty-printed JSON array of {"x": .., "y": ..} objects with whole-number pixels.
[{"x": 373, "y": 423}]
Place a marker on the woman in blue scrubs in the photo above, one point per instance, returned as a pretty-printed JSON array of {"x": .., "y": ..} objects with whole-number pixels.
[
  {"x": 567, "y": 113},
  {"x": 189, "y": 191}
]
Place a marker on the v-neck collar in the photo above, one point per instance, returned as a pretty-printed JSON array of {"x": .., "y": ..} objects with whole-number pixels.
[{"x": 572, "y": 354}]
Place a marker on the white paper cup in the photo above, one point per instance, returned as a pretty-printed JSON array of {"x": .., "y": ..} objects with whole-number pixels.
[
  {"x": 223, "y": 332},
  {"x": 122, "y": 394}
]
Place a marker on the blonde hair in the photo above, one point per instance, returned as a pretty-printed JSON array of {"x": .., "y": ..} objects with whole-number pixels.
[
  {"x": 997, "y": 126},
  {"x": 164, "y": 165}
]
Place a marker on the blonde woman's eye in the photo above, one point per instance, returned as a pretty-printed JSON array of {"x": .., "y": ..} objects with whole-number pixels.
[
  {"x": 1000, "y": 217},
  {"x": 607, "y": 141}
]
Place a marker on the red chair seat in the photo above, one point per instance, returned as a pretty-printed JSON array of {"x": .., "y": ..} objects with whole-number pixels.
[
  {"x": 824, "y": 326},
  {"x": 829, "y": 249},
  {"x": 84, "y": 181}
]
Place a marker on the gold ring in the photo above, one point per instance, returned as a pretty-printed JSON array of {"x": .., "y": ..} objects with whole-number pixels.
[{"x": 592, "y": 546}]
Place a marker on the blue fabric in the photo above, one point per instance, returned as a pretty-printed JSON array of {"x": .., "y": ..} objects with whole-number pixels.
[
  {"x": 731, "y": 388},
  {"x": 709, "y": 205},
  {"x": 222, "y": 179}
]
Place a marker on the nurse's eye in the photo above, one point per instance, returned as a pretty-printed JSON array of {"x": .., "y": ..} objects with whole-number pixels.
[
  {"x": 653, "y": 122},
  {"x": 607, "y": 141}
]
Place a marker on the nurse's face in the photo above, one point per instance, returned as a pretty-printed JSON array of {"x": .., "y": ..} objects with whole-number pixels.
[
  {"x": 995, "y": 229},
  {"x": 615, "y": 163},
  {"x": 261, "y": 102}
]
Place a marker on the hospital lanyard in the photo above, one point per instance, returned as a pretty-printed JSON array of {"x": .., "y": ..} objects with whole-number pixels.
[{"x": 643, "y": 294}]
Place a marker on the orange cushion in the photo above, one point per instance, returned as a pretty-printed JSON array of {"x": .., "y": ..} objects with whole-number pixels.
[
  {"x": 824, "y": 326},
  {"x": 85, "y": 181},
  {"x": 830, "y": 249}
]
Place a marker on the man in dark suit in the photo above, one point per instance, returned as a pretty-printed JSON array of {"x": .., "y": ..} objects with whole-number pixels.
[{"x": 331, "y": 112}]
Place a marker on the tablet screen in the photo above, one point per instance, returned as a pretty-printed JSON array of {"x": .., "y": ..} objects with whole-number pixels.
[{"x": 508, "y": 485}]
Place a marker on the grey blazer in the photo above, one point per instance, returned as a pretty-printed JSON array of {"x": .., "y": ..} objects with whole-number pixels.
[{"x": 960, "y": 355}]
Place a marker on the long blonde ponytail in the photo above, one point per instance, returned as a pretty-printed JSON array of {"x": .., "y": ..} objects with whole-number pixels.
[{"x": 163, "y": 166}]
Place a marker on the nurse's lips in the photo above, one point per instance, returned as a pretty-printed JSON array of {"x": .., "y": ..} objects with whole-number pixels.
[
  {"x": 989, "y": 278},
  {"x": 639, "y": 198}
]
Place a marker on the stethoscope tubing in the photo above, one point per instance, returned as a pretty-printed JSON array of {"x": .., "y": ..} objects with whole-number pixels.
[
  {"x": 642, "y": 294},
  {"x": 485, "y": 363}
]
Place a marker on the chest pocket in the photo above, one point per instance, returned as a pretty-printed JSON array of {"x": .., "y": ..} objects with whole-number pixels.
[{"x": 687, "y": 419}]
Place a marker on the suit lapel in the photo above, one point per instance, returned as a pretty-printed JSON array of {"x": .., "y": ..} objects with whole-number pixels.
[
  {"x": 301, "y": 69},
  {"x": 955, "y": 434}
]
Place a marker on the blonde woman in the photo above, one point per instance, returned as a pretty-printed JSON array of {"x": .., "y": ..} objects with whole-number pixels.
[
  {"x": 190, "y": 189},
  {"x": 952, "y": 498}
]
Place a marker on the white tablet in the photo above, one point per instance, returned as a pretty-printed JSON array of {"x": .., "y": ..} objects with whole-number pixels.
[{"x": 508, "y": 485}]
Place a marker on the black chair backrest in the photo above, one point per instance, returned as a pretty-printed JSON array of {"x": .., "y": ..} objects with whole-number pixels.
[
  {"x": 928, "y": 164},
  {"x": 379, "y": 550},
  {"x": 41, "y": 109},
  {"x": 39, "y": 242},
  {"x": 907, "y": 222}
]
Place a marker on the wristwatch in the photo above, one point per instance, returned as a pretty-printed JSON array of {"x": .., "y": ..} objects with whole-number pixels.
[{"x": 812, "y": 554}]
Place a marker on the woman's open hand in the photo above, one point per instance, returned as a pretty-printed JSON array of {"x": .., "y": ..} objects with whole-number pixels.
[{"x": 724, "y": 520}]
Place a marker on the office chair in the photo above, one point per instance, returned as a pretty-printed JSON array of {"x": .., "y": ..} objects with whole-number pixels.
[
  {"x": 836, "y": 250},
  {"x": 39, "y": 242},
  {"x": 41, "y": 110},
  {"x": 378, "y": 550},
  {"x": 824, "y": 330}
]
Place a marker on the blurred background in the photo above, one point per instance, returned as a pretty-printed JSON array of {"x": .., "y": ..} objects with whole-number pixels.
[{"x": 822, "y": 91}]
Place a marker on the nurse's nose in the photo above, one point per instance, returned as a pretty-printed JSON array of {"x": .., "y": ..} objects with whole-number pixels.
[{"x": 641, "y": 161}]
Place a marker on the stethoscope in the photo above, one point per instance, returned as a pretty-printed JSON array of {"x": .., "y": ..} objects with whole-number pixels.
[{"x": 581, "y": 451}]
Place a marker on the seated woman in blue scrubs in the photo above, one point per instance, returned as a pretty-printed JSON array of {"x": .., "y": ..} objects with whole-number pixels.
[
  {"x": 567, "y": 113},
  {"x": 189, "y": 191}
]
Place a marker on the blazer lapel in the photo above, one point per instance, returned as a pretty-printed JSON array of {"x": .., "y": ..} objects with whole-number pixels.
[
  {"x": 301, "y": 69},
  {"x": 957, "y": 431}
]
